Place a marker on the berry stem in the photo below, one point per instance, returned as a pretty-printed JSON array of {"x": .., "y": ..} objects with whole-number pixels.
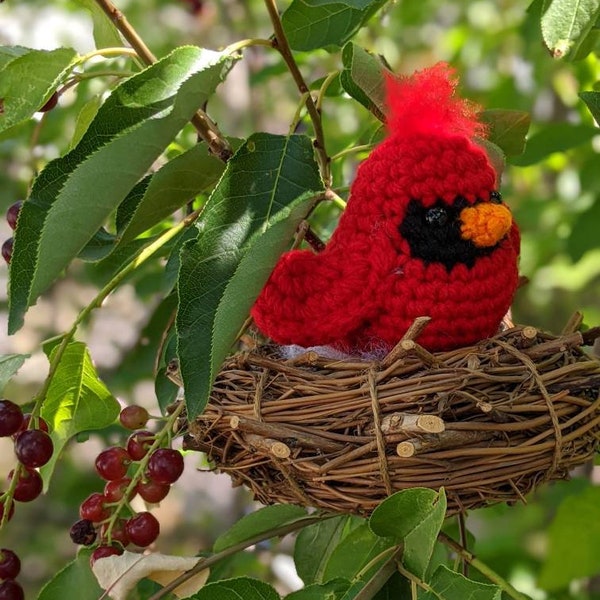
[
  {"x": 324, "y": 87},
  {"x": 141, "y": 257},
  {"x": 207, "y": 130},
  {"x": 353, "y": 150},
  {"x": 237, "y": 46},
  {"x": 141, "y": 468},
  {"x": 116, "y": 51},
  {"x": 108, "y": 73}
]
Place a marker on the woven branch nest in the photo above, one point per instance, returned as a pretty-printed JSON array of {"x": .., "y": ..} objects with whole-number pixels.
[{"x": 488, "y": 422}]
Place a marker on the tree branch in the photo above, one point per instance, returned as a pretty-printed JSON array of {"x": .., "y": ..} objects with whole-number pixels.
[
  {"x": 206, "y": 128},
  {"x": 284, "y": 49}
]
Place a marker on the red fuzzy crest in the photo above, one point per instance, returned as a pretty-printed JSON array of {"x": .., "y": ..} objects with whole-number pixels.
[{"x": 426, "y": 103}]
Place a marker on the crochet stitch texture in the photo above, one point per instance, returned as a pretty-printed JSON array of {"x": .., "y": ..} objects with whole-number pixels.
[{"x": 425, "y": 233}]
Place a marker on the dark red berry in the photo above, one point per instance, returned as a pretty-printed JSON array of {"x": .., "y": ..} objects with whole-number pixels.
[
  {"x": 138, "y": 444},
  {"x": 134, "y": 417},
  {"x": 142, "y": 529},
  {"x": 11, "y": 417},
  {"x": 33, "y": 447},
  {"x": 11, "y": 512},
  {"x": 50, "y": 103},
  {"x": 7, "y": 250},
  {"x": 12, "y": 214},
  {"x": 117, "y": 534},
  {"x": 152, "y": 491},
  {"x": 165, "y": 465},
  {"x": 112, "y": 463},
  {"x": 11, "y": 590},
  {"x": 115, "y": 490},
  {"x": 196, "y": 7},
  {"x": 83, "y": 532},
  {"x": 10, "y": 565},
  {"x": 39, "y": 423},
  {"x": 93, "y": 508},
  {"x": 103, "y": 552},
  {"x": 29, "y": 486}
]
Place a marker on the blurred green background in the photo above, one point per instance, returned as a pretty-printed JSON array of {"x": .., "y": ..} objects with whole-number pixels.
[{"x": 553, "y": 189}]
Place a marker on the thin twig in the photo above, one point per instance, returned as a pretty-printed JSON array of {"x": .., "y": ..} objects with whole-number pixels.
[
  {"x": 470, "y": 558},
  {"x": 206, "y": 563},
  {"x": 284, "y": 49},
  {"x": 379, "y": 579},
  {"x": 207, "y": 130},
  {"x": 462, "y": 532}
]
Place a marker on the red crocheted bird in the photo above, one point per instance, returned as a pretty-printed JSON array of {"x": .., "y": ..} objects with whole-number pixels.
[{"x": 425, "y": 233}]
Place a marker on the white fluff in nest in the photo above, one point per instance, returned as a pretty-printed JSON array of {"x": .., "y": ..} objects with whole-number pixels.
[{"x": 293, "y": 351}]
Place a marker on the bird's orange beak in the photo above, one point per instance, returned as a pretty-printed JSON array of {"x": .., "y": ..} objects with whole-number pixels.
[{"x": 485, "y": 224}]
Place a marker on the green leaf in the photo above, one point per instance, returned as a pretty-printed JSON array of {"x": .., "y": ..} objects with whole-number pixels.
[
  {"x": 76, "y": 401},
  {"x": 566, "y": 23},
  {"x": 396, "y": 587},
  {"x": 315, "y": 544},
  {"x": 29, "y": 80},
  {"x": 9, "y": 53},
  {"x": 413, "y": 517},
  {"x": 584, "y": 234},
  {"x": 166, "y": 391},
  {"x": 174, "y": 260},
  {"x": 268, "y": 187},
  {"x": 312, "y": 24},
  {"x": 332, "y": 590},
  {"x": 449, "y": 585},
  {"x": 84, "y": 119},
  {"x": 507, "y": 129},
  {"x": 106, "y": 35},
  {"x": 237, "y": 589},
  {"x": 354, "y": 553},
  {"x": 353, "y": 590},
  {"x": 99, "y": 247},
  {"x": 495, "y": 155},
  {"x": 402, "y": 512},
  {"x": 258, "y": 523},
  {"x": 592, "y": 100},
  {"x": 363, "y": 78},
  {"x": 554, "y": 137},
  {"x": 177, "y": 182},
  {"x": 76, "y": 193},
  {"x": 76, "y": 580},
  {"x": 574, "y": 541},
  {"x": 9, "y": 365},
  {"x": 420, "y": 542}
]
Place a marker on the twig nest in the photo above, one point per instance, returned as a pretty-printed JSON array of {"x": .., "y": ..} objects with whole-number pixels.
[{"x": 488, "y": 422}]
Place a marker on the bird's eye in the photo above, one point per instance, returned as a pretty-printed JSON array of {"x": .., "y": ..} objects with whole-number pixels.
[
  {"x": 496, "y": 197},
  {"x": 436, "y": 216}
]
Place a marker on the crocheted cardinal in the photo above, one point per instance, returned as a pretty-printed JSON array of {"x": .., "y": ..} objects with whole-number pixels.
[{"x": 425, "y": 233}]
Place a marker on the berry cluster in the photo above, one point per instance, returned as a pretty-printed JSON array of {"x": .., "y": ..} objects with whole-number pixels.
[
  {"x": 12, "y": 214},
  {"x": 139, "y": 468},
  {"x": 33, "y": 447}
]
